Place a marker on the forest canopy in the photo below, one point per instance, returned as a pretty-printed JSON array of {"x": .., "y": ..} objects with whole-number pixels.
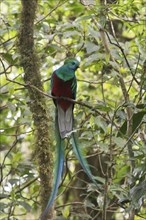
[{"x": 109, "y": 39}]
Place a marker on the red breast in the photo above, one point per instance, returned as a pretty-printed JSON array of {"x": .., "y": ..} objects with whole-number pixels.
[{"x": 62, "y": 88}]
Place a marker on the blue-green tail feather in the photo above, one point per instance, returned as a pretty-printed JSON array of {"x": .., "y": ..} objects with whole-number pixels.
[
  {"x": 59, "y": 161},
  {"x": 81, "y": 159}
]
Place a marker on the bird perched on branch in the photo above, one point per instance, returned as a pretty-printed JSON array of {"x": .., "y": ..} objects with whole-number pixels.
[{"x": 64, "y": 84}]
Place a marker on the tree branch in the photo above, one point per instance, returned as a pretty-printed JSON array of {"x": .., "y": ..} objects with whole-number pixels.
[{"x": 38, "y": 107}]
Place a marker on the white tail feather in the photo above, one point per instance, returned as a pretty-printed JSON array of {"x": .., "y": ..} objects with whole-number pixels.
[{"x": 65, "y": 121}]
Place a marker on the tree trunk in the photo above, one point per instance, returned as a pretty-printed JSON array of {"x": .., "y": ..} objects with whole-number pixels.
[{"x": 37, "y": 104}]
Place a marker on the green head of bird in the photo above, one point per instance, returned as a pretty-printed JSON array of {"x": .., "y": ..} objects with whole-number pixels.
[{"x": 72, "y": 63}]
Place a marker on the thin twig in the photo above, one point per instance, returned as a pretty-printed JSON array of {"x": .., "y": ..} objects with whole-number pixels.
[
  {"x": 122, "y": 50},
  {"x": 57, "y": 6},
  {"x": 67, "y": 99}
]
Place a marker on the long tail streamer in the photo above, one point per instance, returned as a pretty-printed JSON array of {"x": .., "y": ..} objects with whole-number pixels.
[
  {"x": 59, "y": 162},
  {"x": 81, "y": 158}
]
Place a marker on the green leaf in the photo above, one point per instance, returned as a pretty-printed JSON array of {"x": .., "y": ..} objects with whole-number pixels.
[
  {"x": 94, "y": 57},
  {"x": 100, "y": 179},
  {"x": 66, "y": 212},
  {"x": 2, "y": 206},
  {"x": 90, "y": 47},
  {"x": 137, "y": 118},
  {"x": 121, "y": 173},
  {"x": 120, "y": 142},
  {"x": 3, "y": 195},
  {"x": 3, "y": 216},
  {"x": 92, "y": 121},
  {"x": 103, "y": 107},
  {"x": 100, "y": 122},
  {"x": 25, "y": 205},
  {"x": 104, "y": 147},
  {"x": 9, "y": 58},
  {"x": 89, "y": 204},
  {"x": 138, "y": 190},
  {"x": 13, "y": 181},
  {"x": 82, "y": 18},
  {"x": 93, "y": 32},
  {"x": 71, "y": 33}
]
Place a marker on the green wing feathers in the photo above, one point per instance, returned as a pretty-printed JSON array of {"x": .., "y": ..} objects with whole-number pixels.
[{"x": 74, "y": 87}]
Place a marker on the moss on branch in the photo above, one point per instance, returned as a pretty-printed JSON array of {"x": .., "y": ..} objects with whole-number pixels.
[{"x": 30, "y": 63}]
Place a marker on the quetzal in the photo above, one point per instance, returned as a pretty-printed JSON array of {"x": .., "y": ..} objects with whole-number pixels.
[{"x": 64, "y": 84}]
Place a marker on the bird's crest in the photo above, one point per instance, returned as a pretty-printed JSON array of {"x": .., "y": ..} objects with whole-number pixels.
[{"x": 72, "y": 60}]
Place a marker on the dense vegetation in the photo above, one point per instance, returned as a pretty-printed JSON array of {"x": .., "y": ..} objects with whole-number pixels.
[{"x": 109, "y": 39}]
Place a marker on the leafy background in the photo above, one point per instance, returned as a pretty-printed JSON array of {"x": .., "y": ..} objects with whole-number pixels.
[{"x": 71, "y": 28}]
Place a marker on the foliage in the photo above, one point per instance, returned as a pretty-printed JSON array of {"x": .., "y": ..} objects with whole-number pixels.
[{"x": 72, "y": 28}]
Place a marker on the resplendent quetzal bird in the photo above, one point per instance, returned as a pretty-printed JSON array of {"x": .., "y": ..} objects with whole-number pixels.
[{"x": 64, "y": 84}]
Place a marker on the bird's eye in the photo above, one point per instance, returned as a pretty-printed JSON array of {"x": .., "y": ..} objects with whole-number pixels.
[{"x": 73, "y": 63}]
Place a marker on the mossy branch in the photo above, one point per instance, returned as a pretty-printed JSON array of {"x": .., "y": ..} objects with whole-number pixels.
[{"x": 38, "y": 107}]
